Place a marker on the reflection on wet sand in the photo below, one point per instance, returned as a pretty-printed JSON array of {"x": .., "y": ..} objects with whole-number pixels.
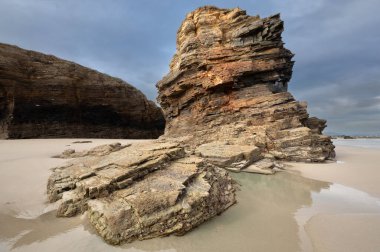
[
  {"x": 262, "y": 220},
  {"x": 284, "y": 212},
  {"x": 335, "y": 209},
  {"x": 22, "y": 232}
]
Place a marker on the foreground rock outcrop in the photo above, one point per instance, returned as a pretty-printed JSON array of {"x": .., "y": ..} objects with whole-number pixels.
[
  {"x": 42, "y": 96},
  {"x": 228, "y": 82},
  {"x": 141, "y": 191},
  {"x": 227, "y": 108}
]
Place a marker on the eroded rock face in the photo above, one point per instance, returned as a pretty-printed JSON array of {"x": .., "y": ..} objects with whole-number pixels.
[
  {"x": 227, "y": 108},
  {"x": 42, "y": 96},
  {"x": 228, "y": 81},
  {"x": 230, "y": 157},
  {"x": 141, "y": 191}
]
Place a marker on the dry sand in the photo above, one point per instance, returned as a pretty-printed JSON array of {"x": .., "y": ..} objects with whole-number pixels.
[{"x": 285, "y": 212}]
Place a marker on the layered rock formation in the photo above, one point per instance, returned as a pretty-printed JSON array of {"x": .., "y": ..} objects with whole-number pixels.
[
  {"x": 140, "y": 191},
  {"x": 227, "y": 107},
  {"x": 42, "y": 96},
  {"x": 228, "y": 82}
]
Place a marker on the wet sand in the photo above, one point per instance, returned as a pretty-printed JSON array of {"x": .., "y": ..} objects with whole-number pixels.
[
  {"x": 354, "y": 225},
  {"x": 357, "y": 167},
  {"x": 290, "y": 211}
]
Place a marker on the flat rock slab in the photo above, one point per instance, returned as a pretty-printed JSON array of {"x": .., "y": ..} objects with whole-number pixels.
[
  {"x": 100, "y": 150},
  {"x": 141, "y": 191},
  {"x": 229, "y": 156},
  {"x": 264, "y": 166}
]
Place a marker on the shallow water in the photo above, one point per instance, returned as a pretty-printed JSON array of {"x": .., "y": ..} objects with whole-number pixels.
[
  {"x": 270, "y": 216},
  {"x": 360, "y": 142},
  {"x": 273, "y": 214}
]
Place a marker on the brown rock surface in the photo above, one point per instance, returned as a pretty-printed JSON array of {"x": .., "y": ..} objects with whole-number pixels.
[
  {"x": 101, "y": 150},
  {"x": 227, "y": 107},
  {"x": 230, "y": 157},
  {"x": 228, "y": 81},
  {"x": 43, "y": 96},
  {"x": 141, "y": 191}
]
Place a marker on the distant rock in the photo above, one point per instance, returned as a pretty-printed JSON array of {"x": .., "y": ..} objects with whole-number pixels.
[
  {"x": 42, "y": 96},
  {"x": 80, "y": 142},
  {"x": 348, "y": 137},
  {"x": 228, "y": 81}
]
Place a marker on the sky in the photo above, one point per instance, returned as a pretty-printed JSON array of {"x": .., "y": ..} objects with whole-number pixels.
[{"x": 336, "y": 46}]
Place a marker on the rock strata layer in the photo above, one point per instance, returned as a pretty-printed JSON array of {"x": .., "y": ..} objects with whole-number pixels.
[
  {"x": 228, "y": 82},
  {"x": 140, "y": 191},
  {"x": 227, "y": 108},
  {"x": 42, "y": 96}
]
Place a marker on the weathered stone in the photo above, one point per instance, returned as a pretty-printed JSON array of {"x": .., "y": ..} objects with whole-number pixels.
[
  {"x": 263, "y": 166},
  {"x": 231, "y": 157},
  {"x": 141, "y": 191},
  {"x": 67, "y": 153},
  {"x": 100, "y": 150},
  {"x": 228, "y": 82},
  {"x": 170, "y": 201},
  {"x": 92, "y": 174},
  {"x": 42, "y": 96},
  {"x": 80, "y": 142},
  {"x": 227, "y": 106}
]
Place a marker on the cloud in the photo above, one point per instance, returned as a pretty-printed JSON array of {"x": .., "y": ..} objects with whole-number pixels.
[{"x": 347, "y": 102}]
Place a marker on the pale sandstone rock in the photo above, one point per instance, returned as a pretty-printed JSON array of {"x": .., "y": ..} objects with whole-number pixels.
[
  {"x": 226, "y": 105},
  {"x": 170, "y": 201},
  {"x": 228, "y": 82},
  {"x": 231, "y": 157},
  {"x": 93, "y": 175},
  {"x": 141, "y": 191},
  {"x": 263, "y": 166},
  {"x": 100, "y": 150}
]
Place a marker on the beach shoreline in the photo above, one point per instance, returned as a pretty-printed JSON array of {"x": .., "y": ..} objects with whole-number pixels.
[
  {"x": 307, "y": 207},
  {"x": 354, "y": 167}
]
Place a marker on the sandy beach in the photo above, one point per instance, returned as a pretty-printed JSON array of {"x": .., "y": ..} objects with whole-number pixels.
[
  {"x": 357, "y": 166},
  {"x": 356, "y": 179},
  {"x": 308, "y": 207}
]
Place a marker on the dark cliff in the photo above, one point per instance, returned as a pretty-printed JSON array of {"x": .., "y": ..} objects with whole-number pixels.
[{"x": 42, "y": 96}]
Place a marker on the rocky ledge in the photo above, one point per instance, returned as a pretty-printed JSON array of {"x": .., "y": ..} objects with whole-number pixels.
[
  {"x": 42, "y": 96},
  {"x": 228, "y": 82},
  {"x": 140, "y": 191}
]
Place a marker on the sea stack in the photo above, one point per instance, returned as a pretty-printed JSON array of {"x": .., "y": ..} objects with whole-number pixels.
[
  {"x": 226, "y": 106},
  {"x": 228, "y": 81},
  {"x": 42, "y": 96}
]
